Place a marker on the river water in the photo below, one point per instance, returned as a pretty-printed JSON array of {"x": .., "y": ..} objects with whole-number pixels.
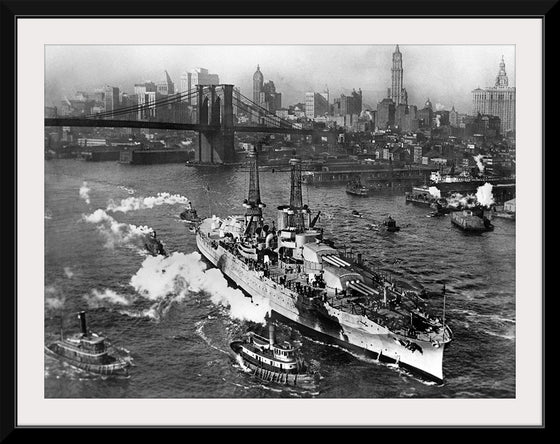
[{"x": 173, "y": 319}]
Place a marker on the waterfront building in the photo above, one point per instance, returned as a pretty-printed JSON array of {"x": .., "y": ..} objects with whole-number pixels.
[{"x": 498, "y": 100}]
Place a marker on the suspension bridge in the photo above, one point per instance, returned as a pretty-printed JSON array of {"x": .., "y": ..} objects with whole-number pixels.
[{"x": 216, "y": 112}]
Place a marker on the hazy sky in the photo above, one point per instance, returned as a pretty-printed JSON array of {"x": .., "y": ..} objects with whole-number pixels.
[{"x": 446, "y": 74}]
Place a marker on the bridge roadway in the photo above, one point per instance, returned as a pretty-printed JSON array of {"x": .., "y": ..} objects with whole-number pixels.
[{"x": 106, "y": 123}]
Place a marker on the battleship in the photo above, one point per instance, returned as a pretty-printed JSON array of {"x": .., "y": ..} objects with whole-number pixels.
[{"x": 324, "y": 290}]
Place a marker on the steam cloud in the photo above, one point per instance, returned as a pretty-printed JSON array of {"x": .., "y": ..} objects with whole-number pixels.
[
  {"x": 84, "y": 192},
  {"x": 434, "y": 191},
  {"x": 68, "y": 272},
  {"x": 170, "y": 278},
  {"x": 479, "y": 164},
  {"x": 135, "y": 203},
  {"x": 484, "y": 195},
  {"x": 116, "y": 233}
]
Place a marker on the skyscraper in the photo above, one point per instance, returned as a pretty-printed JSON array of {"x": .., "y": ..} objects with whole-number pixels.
[
  {"x": 111, "y": 98},
  {"x": 196, "y": 76},
  {"x": 258, "y": 80},
  {"x": 498, "y": 100},
  {"x": 397, "y": 93},
  {"x": 315, "y": 105},
  {"x": 165, "y": 86}
]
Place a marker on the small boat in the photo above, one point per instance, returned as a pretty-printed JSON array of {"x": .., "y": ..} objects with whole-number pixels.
[
  {"x": 274, "y": 362},
  {"x": 87, "y": 351},
  {"x": 357, "y": 188},
  {"x": 472, "y": 219},
  {"x": 390, "y": 225},
  {"x": 154, "y": 245},
  {"x": 189, "y": 214},
  {"x": 356, "y": 213}
]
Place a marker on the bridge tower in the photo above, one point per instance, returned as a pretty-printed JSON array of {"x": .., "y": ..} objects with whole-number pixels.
[{"x": 215, "y": 110}]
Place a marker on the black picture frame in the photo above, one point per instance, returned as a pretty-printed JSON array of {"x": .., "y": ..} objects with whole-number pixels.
[{"x": 12, "y": 11}]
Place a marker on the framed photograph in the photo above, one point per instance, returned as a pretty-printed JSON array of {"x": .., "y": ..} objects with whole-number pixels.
[{"x": 264, "y": 220}]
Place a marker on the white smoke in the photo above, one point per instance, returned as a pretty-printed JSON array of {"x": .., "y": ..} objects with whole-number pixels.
[
  {"x": 457, "y": 200},
  {"x": 68, "y": 272},
  {"x": 437, "y": 121},
  {"x": 478, "y": 159},
  {"x": 484, "y": 195},
  {"x": 84, "y": 192},
  {"x": 100, "y": 299},
  {"x": 116, "y": 233},
  {"x": 171, "y": 278},
  {"x": 135, "y": 203},
  {"x": 440, "y": 107},
  {"x": 54, "y": 302},
  {"x": 435, "y": 192}
]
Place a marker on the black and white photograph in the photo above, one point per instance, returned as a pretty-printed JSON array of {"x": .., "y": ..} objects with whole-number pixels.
[{"x": 284, "y": 219}]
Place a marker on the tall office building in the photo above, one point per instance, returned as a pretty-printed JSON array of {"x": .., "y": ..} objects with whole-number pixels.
[
  {"x": 165, "y": 86},
  {"x": 146, "y": 96},
  {"x": 316, "y": 104},
  {"x": 196, "y": 76},
  {"x": 111, "y": 98},
  {"x": 498, "y": 100},
  {"x": 397, "y": 93},
  {"x": 258, "y": 80},
  {"x": 351, "y": 104}
]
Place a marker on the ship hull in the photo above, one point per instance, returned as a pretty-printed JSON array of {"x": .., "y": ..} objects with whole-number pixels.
[{"x": 348, "y": 330}]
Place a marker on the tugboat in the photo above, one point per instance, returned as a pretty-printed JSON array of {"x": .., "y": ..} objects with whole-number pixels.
[
  {"x": 154, "y": 245},
  {"x": 391, "y": 225},
  {"x": 472, "y": 219},
  {"x": 189, "y": 214},
  {"x": 357, "y": 188},
  {"x": 274, "y": 362},
  {"x": 88, "y": 351}
]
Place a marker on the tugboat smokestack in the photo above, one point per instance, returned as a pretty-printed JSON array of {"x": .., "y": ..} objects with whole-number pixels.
[
  {"x": 82, "y": 316},
  {"x": 271, "y": 334}
]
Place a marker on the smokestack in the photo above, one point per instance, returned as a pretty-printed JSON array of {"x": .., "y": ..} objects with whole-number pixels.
[
  {"x": 271, "y": 333},
  {"x": 82, "y": 316}
]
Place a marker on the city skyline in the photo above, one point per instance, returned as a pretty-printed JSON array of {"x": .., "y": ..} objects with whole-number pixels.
[{"x": 446, "y": 74}]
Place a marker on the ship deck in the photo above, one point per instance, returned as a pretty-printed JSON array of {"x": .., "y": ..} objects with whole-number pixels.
[{"x": 393, "y": 314}]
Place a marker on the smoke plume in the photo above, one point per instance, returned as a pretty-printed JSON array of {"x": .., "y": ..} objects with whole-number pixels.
[
  {"x": 68, "y": 272},
  {"x": 172, "y": 278},
  {"x": 100, "y": 299},
  {"x": 135, "y": 203},
  {"x": 440, "y": 107},
  {"x": 84, "y": 192},
  {"x": 55, "y": 301},
  {"x": 116, "y": 233}
]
